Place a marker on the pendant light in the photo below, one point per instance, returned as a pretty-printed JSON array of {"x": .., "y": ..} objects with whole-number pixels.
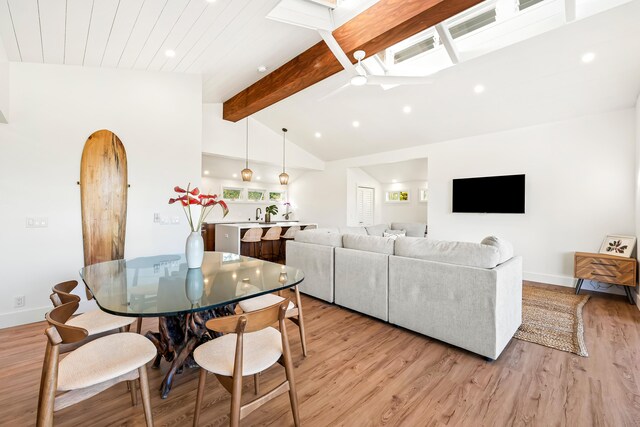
[
  {"x": 246, "y": 172},
  {"x": 284, "y": 177}
]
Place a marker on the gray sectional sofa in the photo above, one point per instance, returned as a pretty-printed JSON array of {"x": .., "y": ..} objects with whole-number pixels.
[{"x": 465, "y": 294}]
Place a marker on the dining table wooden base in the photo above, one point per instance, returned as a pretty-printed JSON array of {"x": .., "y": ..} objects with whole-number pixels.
[{"x": 178, "y": 336}]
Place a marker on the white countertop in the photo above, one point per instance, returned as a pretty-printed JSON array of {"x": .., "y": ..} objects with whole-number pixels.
[{"x": 265, "y": 225}]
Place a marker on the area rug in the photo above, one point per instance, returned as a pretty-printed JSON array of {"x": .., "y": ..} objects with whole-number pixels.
[{"x": 553, "y": 319}]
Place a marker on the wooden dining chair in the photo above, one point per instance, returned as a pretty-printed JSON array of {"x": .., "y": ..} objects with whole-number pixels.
[
  {"x": 91, "y": 368},
  {"x": 253, "y": 237},
  {"x": 94, "y": 321},
  {"x": 294, "y": 312},
  {"x": 272, "y": 235},
  {"x": 249, "y": 347}
]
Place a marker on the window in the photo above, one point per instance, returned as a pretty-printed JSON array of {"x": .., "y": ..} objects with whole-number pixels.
[
  {"x": 365, "y": 205},
  {"x": 414, "y": 50},
  {"x": 276, "y": 196},
  {"x": 254, "y": 195},
  {"x": 422, "y": 196},
  {"x": 523, "y": 4},
  {"x": 473, "y": 24},
  {"x": 400, "y": 196},
  {"x": 232, "y": 194}
]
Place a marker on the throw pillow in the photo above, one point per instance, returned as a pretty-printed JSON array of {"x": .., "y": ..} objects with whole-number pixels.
[
  {"x": 395, "y": 233},
  {"x": 505, "y": 249}
]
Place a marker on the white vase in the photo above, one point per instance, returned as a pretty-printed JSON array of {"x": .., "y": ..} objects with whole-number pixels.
[
  {"x": 194, "y": 284},
  {"x": 194, "y": 250}
]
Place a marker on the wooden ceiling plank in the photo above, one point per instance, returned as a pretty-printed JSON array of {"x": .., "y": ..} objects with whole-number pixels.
[{"x": 377, "y": 28}]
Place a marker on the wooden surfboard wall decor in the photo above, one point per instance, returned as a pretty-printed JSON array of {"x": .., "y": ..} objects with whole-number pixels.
[{"x": 103, "y": 195}]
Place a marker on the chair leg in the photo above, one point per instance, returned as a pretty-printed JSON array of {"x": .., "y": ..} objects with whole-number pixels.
[
  {"x": 49, "y": 385},
  {"x": 201, "y": 382},
  {"x": 236, "y": 396},
  {"x": 139, "y": 325},
  {"x": 134, "y": 394},
  {"x": 303, "y": 339},
  {"x": 144, "y": 391},
  {"x": 293, "y": 396},
  {"x": 256, "y": 383}
]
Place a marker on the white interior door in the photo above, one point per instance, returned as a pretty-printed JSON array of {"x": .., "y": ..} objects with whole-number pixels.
[{"x": 365, "y": 205}]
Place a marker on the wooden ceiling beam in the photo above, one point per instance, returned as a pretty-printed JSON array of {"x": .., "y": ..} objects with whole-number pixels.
[{"x": 377, "y": 28}]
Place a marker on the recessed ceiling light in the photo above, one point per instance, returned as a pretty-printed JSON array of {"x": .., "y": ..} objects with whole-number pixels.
[
  {"x": 262, "y": 68},
  {"x": 588, "y": 57},
  {"x": 394, "y": 180},
  {"x": 406, "y": 109},
  {"x": 356, "y": 124},
  {"x": 206, "y": 172},
  {"x": 318, "y": 135},
  {"x": 478, "y": 88},
  {"x": 235, "y": 175},
  {"x": 258, "y": 178},
  {"x": 170, "y": 53}
]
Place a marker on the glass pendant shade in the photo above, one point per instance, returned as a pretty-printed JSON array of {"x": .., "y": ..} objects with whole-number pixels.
[
  {"x": 284, "y": 178},
  {"x": 246, "y": 172}
]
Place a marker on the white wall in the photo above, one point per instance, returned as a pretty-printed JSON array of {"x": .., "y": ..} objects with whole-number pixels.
[
  {"x": 242, "y": 211},
  {"x": 4, "y": 85},
  {"x": 224, "y": 138},
  {"x": 580, "y": 187},
  {"x": 411, "y": 211},
  {"x": 637, "y": 184},
  {"x": 356, "y": 177},
  {"x": 53, "y": 111}
]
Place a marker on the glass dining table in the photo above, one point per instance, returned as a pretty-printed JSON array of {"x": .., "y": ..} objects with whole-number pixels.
[{"x": 183, "y": 299}]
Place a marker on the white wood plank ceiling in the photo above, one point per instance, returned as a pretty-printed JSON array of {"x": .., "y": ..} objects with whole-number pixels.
[{"x": 225, "y": 40}]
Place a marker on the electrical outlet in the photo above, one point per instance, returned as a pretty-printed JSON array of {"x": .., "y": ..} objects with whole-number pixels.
[
  {"x": 156, "y": 217},
  {"x": 19, "y": 301},
  {"x": 37, "y": 222}
]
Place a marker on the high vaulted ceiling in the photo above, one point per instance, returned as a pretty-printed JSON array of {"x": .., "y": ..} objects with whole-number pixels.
[
  {"x": 535, "y": 81},
  {"x": 225, "y": 40}
]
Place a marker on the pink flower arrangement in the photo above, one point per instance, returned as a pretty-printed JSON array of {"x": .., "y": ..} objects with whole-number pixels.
[{"x": 190, "y": 197}]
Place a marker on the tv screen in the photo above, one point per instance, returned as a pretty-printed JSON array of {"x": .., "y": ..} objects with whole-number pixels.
[{"x": 489, "y": 194}]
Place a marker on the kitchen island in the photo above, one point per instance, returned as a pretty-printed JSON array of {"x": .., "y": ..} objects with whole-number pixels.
[{"x": 228, "y": 236}]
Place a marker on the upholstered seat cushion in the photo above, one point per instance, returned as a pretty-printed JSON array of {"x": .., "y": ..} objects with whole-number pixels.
[
  {"x": 376, "y": 230},
  {"x": 413, "y": 229},
  {"x": 379, "y": 244},
  {"x": 261, "y": 349},
  {"x": 263, "y": 301},
  {"x": 97, "y": 321},
  {"x": 505, "y": 249},
  {"x": 320, "y": 238},
  {"x": 104, "y": 359}
]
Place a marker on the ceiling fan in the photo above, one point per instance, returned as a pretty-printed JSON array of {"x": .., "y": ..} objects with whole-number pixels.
[{"x": 359, "y": 75}]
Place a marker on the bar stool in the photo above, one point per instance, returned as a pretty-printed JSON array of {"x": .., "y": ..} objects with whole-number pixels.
[
  {"x": 272, "y": 235},
  {"x": 311, "y": 227},
  {"x": 253, "y": 236},
  {"x": 290, "y": 234}
]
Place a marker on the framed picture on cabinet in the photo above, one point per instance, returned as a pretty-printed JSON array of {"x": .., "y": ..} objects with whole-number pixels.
[{"x": 622, "y": 246}]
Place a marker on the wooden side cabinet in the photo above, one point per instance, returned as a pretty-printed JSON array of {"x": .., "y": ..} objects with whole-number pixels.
[{"x": 606, "y": 269}]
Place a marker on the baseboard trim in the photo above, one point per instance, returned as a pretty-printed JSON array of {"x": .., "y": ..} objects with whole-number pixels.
[
  {"x": 22, "y": 317},
  {"x": 570, "y": 282},
  {"x": 32, "y": 315}
]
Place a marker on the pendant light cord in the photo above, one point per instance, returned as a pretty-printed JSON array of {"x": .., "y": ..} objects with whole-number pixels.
[
  {"x": 246, "y": 159},
  {"x": 284, "y": 140}
]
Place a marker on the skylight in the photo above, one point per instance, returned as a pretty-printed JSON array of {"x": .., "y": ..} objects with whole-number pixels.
[{"x": 486, "y": 27}]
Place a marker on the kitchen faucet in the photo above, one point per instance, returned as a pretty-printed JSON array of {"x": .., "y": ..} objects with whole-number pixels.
[{"x": 258, "y": 213}]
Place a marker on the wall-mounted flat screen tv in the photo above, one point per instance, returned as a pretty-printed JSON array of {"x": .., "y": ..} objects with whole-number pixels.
[{"x": 489, "y": 194}]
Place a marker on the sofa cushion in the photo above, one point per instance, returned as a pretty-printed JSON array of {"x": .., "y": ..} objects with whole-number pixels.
[
  {"x": 376, "y": 230},
  {"x": 414, "y": 229},
  {"x": 379, "y": 244},
  {"x": 353, "y": 230},
  {"x": 319, "y": 238},
  {"x": 505, "y": 249},
  {"x": 460, "y": 253}
]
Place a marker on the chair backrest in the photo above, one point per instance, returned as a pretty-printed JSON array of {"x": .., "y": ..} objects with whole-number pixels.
[
  {"x": 291, "y": 232},
  {"x": 311, "y": 227},
  {"x": 249, "y": 322},
  {"x": 62, "y": 293},
  {"x": 252, "y": 235},
  {"x": 57, "y": 318},
  {"x": 273, "y": 233}
]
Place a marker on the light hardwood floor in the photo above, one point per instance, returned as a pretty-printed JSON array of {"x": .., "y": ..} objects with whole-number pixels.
[{"x": 363, "y": 372}]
